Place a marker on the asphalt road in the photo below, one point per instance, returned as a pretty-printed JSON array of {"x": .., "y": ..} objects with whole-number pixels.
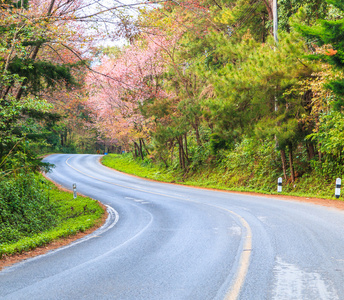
[{"x": 166, "y": 241}]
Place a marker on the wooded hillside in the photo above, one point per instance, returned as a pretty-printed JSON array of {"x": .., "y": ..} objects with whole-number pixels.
[
  {"x": 204, "y": 84},
  {"x": 197, "y": 84}
]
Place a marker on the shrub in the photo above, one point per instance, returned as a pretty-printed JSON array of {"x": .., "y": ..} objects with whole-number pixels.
[{"x": 24, "y": 208}]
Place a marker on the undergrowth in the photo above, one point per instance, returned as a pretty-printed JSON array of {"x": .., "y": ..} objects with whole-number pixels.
[
  {"x": 232, "y": 175},
  {"x": 34, "y": 212}
]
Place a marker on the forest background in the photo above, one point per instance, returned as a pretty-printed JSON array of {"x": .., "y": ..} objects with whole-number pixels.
[{"x": 199, "y": 89}]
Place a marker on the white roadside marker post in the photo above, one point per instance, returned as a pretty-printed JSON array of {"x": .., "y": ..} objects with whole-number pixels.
[
  {"x": 279, "y": 185},
  {"x": 338, "y": 185},
  {"x": 74, "y": 190}
]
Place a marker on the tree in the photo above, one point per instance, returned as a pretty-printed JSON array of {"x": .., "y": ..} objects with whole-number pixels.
[
  {"x": 330, "y": 35},
  {"x": 328, "y": 46},
  {"x": 45, "y": 48},
  {"x": 133, "y": 77}
]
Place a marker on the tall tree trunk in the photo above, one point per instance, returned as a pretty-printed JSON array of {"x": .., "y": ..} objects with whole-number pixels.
[
  {"x": 144, "y": 145},
  {"x": 284, "y": 163},
  {"x": 63, "y": 138},
  {"x": 66, "y": 136},
  {"x": 291, "y": 163},
  {"x": 198, "y": 138},
  {"x": 320, "y": 156},
  {"x": 180, "y": 155},
  {"x": 136, "y": 152},
  {"x": 269, "y": 8},
  {"x": 181, "y": 152},
  {"x": 186, "y": 148},
  {"x": 263, "y": 31},
  {"x": 172, "y": 150},
  {"x": 141, "y": 150},
  {"x": 4, "y": 93},
  {"x": 310, "y": 150},
  {"x": 268, "y": 5}
]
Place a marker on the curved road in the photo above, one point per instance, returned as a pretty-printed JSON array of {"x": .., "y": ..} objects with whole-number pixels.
[{"x": 165, "y": 241}]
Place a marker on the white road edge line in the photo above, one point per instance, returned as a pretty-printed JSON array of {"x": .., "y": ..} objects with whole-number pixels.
[{"x": 109, "y": 223}]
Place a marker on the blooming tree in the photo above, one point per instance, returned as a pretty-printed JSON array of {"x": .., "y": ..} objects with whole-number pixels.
[{"x": 131, "y": 79}]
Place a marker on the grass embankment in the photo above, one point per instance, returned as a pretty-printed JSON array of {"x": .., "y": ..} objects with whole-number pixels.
[
  {"x": 241, "y": 179},
  {"x": 70, "y": 216},
  {"x": 127, "y": 164}
]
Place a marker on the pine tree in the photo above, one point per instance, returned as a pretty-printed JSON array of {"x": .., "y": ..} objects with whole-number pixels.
[{"x": 330, "y": 35}]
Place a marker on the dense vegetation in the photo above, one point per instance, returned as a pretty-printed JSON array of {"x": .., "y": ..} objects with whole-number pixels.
[
  {"x": 25, "y": 209},
  {"x": 206, "y": 89},
  {"x": 41, "y": 75},
  {"x": 35, "y": 212},
  {"x": 235, "y": 178}
]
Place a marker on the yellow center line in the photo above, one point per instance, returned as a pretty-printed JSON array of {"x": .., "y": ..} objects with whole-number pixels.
[{"x": 244, "y": 261}]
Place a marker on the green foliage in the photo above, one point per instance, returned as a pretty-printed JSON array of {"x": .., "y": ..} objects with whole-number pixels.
[
  {"x": 330, "y": 138},
  {"x": 331, "y": 33},
  {"x": 21, "y": 136},
  {"x": 252, "y": 166},
  {"x": 34, "y": 70},
  {"x": 24, "y": 208},
  {"x": 231, "y": 80},
  {"x": 41, "y": 74},
  {"x": 15, "y": 4},
  {"x": 218, "y": 142},
  {"x": 239, "y": 101},
  {"x": 237, "y": 13},
  {"x": 67, "y": 216},
  {"x": 313, "y": 10}
]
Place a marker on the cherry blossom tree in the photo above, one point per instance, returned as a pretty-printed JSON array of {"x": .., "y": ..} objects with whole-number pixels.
[{"x": 131, "y": 78}]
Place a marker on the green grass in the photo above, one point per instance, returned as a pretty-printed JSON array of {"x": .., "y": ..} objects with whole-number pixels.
[
  {"x": 307, "y": 186},
  {"x": 126, "y": 163},
  {"x": 73, "y": 216}
]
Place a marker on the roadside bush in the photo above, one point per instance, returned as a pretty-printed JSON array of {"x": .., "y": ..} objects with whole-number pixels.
[
  {"x": 252, "y": 164},
  {"x": 62, "y": 216},
  {"x": 24, "y": 208}
]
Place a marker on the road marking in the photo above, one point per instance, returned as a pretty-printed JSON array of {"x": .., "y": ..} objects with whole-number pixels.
[
  {"x": 137, "y": 200},
  {"x": 244, "y": 260},
  {"x": 110, "y": 222}
]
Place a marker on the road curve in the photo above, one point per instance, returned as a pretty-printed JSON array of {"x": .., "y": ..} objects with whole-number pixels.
[{"x": 166, "y": 241}]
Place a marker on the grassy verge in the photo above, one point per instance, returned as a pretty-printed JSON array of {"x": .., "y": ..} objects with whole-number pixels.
[
  {"x": 127, "y": 164},
  {"x": 73, "y": 216},
  {"x": 217, "y": 178}
]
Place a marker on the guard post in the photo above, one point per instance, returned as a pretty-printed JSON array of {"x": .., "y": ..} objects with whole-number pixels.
[
  {"x": 74, "y": 190},
  {"x": 279, "y": 185},
  {"x": 338, "y": 186}
]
